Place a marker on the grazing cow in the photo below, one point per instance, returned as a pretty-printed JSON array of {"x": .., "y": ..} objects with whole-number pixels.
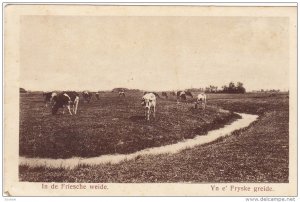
[
  {"x": 181, "y": 95},
  {"x": 87, "y": 96},
  {"x": 187, "y": 93},
  {"x": 49, "y": 97},
  {"x": 69, "y": 100},
  {"x": 165, "y": 94},
  {"x": 122, "y": 93},
  {"x": 201, "y": 98},
  {"x": 149, "y": 102},
  {"x": 97, "y": 96}
]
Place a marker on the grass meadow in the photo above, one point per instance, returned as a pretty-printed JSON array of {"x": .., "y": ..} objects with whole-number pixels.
[{"x": 113, "y": 125}]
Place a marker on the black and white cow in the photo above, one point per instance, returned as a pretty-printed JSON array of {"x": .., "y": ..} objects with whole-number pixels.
[
  {"x": 149, "y": 102},
  {"x": 49, "y": 98},
  {"x": 122, "y": 93},
  {"x": 201, "y": 99},
  {"x": 69, "y": 100},
  {"x": 87, "y": 96},
  {"x": 181, "y": 95},
  {"x": 186, "y": 93}
]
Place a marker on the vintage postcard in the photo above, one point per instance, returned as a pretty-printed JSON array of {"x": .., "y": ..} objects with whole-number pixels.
[{"x": 150, "y": 100}]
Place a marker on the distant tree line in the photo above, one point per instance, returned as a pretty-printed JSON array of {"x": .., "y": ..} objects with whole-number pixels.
[
  {"x": 230, "y": 88},
  {"x": 269, "y": 90},
  {"x": 233, "y": 88}
]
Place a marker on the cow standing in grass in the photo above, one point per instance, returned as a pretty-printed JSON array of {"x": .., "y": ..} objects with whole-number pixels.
[
  {"x": 49, "y": 98},
  {"x": 87, "y": 96},
  {"x": 149, "y": 102},
  {"x": 97, "y": 96},
  {"x": 201, "y": 99},
  {"x": 186, "y": 93},
  {"x": 67, "y": 100},
  {"x": 122, "y": 93},
  {"x": 181, "y": 95}
]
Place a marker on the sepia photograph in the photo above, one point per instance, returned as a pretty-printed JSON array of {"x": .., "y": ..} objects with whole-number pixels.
[{"x": 150, "y": 100}]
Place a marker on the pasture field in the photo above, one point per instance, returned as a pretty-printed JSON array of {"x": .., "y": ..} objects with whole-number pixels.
[
  {"x": 110, "y": 125},
  {"x": 258, "y": 153}
]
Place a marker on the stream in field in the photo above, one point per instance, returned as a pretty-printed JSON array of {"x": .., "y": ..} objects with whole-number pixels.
[{"x": 212, "y": 135}]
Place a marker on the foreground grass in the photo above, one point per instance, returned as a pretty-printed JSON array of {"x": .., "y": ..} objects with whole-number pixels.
[{"x": 259, "y": 153}]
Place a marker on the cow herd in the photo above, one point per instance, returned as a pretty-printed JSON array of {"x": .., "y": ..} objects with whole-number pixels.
[{"x": 70, "y": 100}]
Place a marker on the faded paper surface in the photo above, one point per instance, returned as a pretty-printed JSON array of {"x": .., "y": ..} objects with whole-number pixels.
[{"x": 134, "y": 24}]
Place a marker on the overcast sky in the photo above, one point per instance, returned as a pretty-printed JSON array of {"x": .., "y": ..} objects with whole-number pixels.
[{"x": 153, "y": 53}]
